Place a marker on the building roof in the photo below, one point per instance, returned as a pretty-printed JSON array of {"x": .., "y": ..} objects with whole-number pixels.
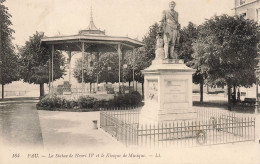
[
  {"x": 91, "y": 29},
  {"x": 94, "y": 39},
  {"x": 72, "y": 41}
]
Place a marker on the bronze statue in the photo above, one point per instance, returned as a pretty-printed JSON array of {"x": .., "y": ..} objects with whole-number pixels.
[{"x": 170, "y": 28}]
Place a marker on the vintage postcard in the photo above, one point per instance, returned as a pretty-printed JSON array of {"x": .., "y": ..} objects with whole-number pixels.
[{"x": 129, "y": 81}]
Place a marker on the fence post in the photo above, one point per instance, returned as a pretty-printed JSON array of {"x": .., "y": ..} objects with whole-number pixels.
[
  {"x": 185, "y": 132},
  {"x": 254, "y": 129},
  {"x": 154, "y": 135},
  {"x": 126, "y": 137},
  {"x": 100, "y": 118},
  {"x": 177, "y": 135},
  {"x": 251, "y": 127},
  {"x": 142, "y": 135},
  {"x": 247, "y": 128},
  {"x": 158, "y": 130},
  {"x": 137, "y": 135},
  {"x": 166, "y": 134}
]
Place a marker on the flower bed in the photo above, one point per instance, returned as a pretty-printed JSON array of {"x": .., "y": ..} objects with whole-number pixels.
[{"x": 86, "y": 104}]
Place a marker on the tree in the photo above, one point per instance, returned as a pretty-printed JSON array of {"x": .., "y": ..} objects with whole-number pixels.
[
  {"x": 128, "y": 72},
  {"x": 188, "y": 35},
  {"x": 104, "y": 68},
  {"x": 149, "y": 41},
  {"x": 196, "y": 63},
  {"x": 227, "y": 51},
  {"x": 143, "y": 56},
  {"x": 108, "y": 67},
  {"x": 141, "y": 63},
  {"x": 35, "y": 60},
  {"x": 89, "y": 72},
  {"x": 8, "y": 59}
]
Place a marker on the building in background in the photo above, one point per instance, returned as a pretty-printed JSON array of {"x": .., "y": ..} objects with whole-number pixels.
[{"x": 250, "y": 9}]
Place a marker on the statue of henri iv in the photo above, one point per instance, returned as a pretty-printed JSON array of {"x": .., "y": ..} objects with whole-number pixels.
[{"x": 170, "y": 31}]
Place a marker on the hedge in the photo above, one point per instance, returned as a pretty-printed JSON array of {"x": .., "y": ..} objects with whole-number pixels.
[{"x": 86, "y": 103}]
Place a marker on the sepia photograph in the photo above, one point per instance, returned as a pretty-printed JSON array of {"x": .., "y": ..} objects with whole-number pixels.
[{"x": 129, "y": 81}]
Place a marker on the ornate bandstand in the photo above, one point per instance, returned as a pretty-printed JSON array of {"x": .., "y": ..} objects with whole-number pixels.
[{"x": 89, "y": 40}]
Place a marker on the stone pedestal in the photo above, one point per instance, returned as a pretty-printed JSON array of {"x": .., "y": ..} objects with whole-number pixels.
[{"x": 167, "y": 92}]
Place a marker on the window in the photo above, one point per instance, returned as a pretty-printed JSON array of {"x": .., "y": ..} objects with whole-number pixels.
[
  {"x": 242, "y": 2},
  {"x": 243, "y": 15}
]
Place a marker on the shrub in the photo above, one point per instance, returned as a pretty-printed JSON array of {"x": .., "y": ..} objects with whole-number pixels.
[
  {"x": 66, "y": 86},
  {"x": 60, "y": 89},
  {"x": 51, "y": 102},
  {"x": 100, "y": 104},
  {"x": 124, "y": 100},
  {"x": 86, "y": 102},
  {"x": 65, "y": 104},
  {"x": 90, "y": 103},
  {"x": 136, "y": 98},
  {"x": 74, "y": 104}
]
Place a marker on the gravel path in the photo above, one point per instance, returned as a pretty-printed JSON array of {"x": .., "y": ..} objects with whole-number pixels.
[
  {"x": 19, "y": 123},
  {"x": 73, "y": 130}
]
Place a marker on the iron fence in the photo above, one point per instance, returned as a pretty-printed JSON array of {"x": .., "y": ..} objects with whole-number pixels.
[
  {"x": 121, "y": 123},
  {"x": 208, "y": 129}
]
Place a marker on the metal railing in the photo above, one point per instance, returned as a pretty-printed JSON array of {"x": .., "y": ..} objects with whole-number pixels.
[
  {"x": 208, "y": 129},
  {"x": 121, "y": 123}
]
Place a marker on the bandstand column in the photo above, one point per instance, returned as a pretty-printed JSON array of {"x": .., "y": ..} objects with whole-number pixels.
[
  {"x": 98, "y": 54},
  {"x": 123, "y": 69},
  {"x": 119, "y": 64},
  {"x": 133, "y": 68},
  {"x": 69, "y": 54},
  {"x": 50, "y": 75},
  {"x": 82, "y": 66},
  {"x": 52, "y": 56}
]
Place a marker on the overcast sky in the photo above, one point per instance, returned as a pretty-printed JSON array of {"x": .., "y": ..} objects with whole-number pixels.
[{"x": 130, "y": 18}]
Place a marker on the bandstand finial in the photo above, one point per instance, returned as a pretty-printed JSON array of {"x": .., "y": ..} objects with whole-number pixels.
[
  {"x": 91, "y": 29},
  {"x": 91, "y": 13}
]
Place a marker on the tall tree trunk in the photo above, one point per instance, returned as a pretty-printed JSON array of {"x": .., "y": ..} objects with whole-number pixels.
[
  {"x": 238, "y": 95},
  {"x": 229, "y": 96},
  {"x": 135, "y": 85},
  {"x": 90, "y": 87},
  {"x": 97, "y": 84},
  {"x": 129, "y": 85},
  {"x": 201, "y": 90},
  {"x": 1, "y": 62},
  {"x": 3, "y": 91},
  {"x": 41, "y": 89},
  {"x": 235, "y": 96},
  {"x": 143, "y": 90}
]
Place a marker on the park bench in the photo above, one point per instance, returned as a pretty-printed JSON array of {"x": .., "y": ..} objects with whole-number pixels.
[{"x": 250, "y": 101}]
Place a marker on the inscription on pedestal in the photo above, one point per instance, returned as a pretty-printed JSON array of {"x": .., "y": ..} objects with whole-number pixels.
[
  {"x": 173, "y": 61},
  {"x": 175, "y": 91}
]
